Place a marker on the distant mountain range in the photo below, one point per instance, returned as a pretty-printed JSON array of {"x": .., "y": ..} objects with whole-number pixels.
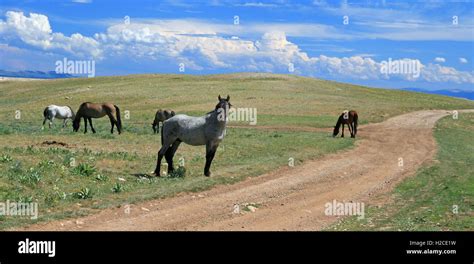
[
  {"x": 453, "y": 93},
  {"x": 34, "y": 74}
]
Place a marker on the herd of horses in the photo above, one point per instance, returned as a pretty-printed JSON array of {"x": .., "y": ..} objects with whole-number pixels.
[{"x": 208, "y": 130}]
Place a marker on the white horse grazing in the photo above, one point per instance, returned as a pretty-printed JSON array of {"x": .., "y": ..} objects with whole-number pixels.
[
  {"x": 60, "y": 112},
  {"x": 206, "y": 130}
]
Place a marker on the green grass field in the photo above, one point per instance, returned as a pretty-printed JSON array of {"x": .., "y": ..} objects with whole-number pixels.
[
  {"x": 96, "y": 171},
  {"x": 440, "y": 197}
]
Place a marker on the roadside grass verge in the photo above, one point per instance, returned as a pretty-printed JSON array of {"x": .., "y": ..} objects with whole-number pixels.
[{"x": 439, "y": 197}]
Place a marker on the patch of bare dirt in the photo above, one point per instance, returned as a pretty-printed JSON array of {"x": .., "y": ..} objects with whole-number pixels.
[{"x": 54, "y": 143}]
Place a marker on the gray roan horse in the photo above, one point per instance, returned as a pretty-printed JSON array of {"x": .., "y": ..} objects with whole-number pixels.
[
  {"x": 160, "y": 116},
  {"x": 89, "y": 110},
  {"x": 206, "y": 130},
  {"x": 60, "y": 112}
]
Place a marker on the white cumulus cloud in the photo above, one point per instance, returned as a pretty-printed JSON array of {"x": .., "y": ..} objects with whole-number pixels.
[
  {"x": 201, "y": 45},
  {"x": 36, "y": 31}
]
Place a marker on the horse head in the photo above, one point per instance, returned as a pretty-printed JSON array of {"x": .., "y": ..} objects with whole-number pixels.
[
  {"x": 336, "y": 131},
  {"x": 223, "y": 105},
  {"x": 75, "y": 124}
]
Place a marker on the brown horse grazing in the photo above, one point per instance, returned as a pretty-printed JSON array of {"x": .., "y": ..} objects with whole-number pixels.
[
  {"x": 160, "y": 116},
  {"x": 350, "y": 118},
  {"x": 89, "y": 110}
]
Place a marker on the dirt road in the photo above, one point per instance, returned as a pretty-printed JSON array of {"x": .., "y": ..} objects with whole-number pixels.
[{"x": 289, "y": 198}]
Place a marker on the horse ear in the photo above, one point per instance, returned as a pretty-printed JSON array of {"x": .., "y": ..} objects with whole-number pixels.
[
  {"x": 228, "y": 98},
  {"x": 219, "y": 97}
]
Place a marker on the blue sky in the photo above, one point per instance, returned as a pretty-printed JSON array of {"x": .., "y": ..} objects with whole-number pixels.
[{"x": 297, "y": 37}]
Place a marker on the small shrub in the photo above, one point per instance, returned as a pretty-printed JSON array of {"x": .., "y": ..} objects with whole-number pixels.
[
  {"x": 84, "y": 193},
  {"x": 84, "y": 169},
  {"x": 180, "y": 172},
  {"x": 101, "y": 177},
  {"x": 5, "y": 158},
  {"x": 117, "y": 188}
]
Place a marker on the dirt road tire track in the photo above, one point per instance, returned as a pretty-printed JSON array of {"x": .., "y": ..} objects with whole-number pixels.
[{"x": 288, "y": 198}]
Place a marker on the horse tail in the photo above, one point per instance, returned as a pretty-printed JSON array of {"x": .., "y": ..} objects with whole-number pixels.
[
  {"x": 119, "y": 119},
  {"x": 163, "y": 124},
  {"x": 45, "y": 112},
  {"x": 356, "y": 117},
  {"x": 73, "y": 114},
  {"x": 155, "y": 120}
]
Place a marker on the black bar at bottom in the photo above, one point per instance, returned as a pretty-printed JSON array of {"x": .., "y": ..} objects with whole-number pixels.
[{"x": 406, "y": 247}]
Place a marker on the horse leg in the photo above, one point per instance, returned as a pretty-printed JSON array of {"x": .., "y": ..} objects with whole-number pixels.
[
  {"x": 64, "y": 122},
  {"x": 170, "y": 154},
  {"x": 44, "y": 122},
  {"x": 349, "y": 126},
  {"x": 85, "y": 125},
  {"x": 51, "y": 121},
  {"x": 210, "y": 153},
  {"x": 90, "y": 122},
  {"x": 352, "y": 131},
  {"x": 161, "y": 153},
  {"x": 113, "y": 122},
  {"x": 342, "y": 130}
]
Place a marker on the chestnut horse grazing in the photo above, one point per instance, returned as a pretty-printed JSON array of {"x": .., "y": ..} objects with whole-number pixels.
[
  {"x": 350, "y": 118},
  {"x": 89, "y": 110},
  {"x": 160, "y": 116},
  {"x": 206, "y": 130}
]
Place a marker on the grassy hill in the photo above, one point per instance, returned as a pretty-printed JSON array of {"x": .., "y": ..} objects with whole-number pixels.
[{"x": 95, "y": 171}]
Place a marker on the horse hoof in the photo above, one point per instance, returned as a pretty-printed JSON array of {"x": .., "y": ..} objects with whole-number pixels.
[{"x": 207, "y": 174}]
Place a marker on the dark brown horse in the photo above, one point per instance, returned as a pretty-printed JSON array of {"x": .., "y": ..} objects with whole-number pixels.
[
  {"x": 160, "y": 116},
  {"x": 89, "y": 110},
  {"x": 349, "y": 118}
]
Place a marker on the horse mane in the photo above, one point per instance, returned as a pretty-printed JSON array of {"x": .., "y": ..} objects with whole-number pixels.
[{"x": 83, "y": 104}]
